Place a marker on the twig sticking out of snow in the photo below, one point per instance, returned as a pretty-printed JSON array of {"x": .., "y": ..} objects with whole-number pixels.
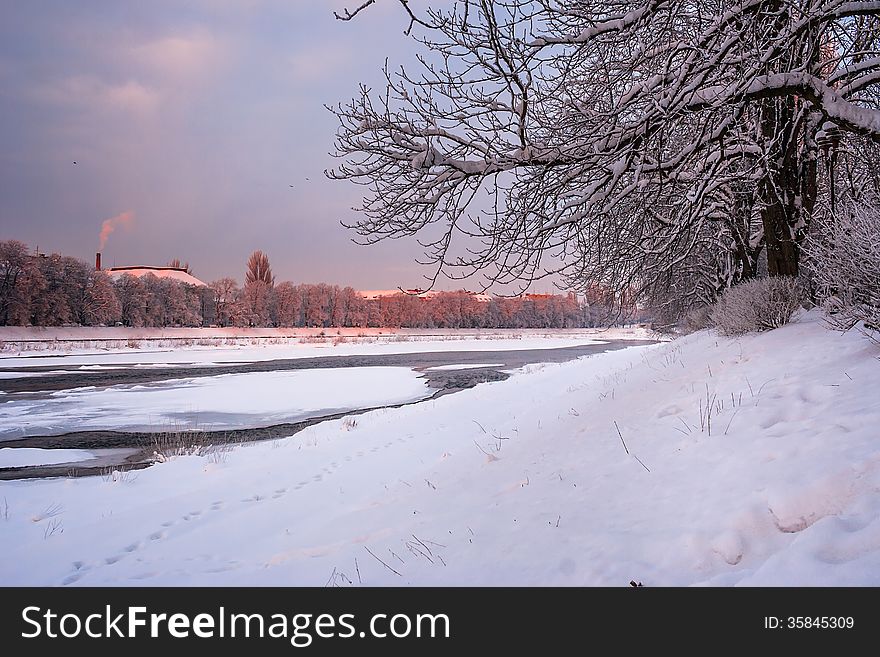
[
  {"x": 621, "y": 436},
  {"x": 731, "y": 420},
  {"x": 422, "y": 543},
  {"x": 640, "y": 462},
  {"x": 373, "y": 554},
  {"x": 622, "y": 442}
]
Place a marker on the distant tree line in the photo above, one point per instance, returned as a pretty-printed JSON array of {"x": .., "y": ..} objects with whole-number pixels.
[{"x": 55, "y": 290}]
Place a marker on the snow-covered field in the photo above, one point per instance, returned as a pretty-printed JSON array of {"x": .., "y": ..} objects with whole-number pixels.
[
  {"x": 213, "y": 402},
  {"x": 704, "y": 461}
]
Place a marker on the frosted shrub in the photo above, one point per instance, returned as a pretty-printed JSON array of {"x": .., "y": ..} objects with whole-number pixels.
[
  {"x": 844, "y": 261},
  {"x": 759, "y": 305},
  {"x": 696, "y": 319}
]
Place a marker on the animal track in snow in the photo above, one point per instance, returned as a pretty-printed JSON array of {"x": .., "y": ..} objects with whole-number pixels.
[{"x": 70, "y": 579}]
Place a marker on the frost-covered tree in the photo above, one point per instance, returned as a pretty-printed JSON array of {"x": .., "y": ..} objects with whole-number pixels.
[
  {"x": 175, "y": 262},
  {"x": 316, "y": 311},
  {"x": 102, "y": 305},
  {"x": 642, "y": 145},
  {"x": 287, "y": 305},
  {"x": 180, "y": 303},
  {"x": 132, "y": 295},
  {"x": 75, "y": 282},
  {"x": 17, "y": 274},
  {"x": 256, "y": 298},
  {"x": 258, "y": 269},
  {"x": 226, "y": 294},
  {"x": 845, "y": 264},
  {"x": 61, "y": 298}
]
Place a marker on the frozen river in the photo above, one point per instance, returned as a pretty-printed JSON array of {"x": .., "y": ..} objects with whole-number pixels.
[{"x": 104, "y": 403}]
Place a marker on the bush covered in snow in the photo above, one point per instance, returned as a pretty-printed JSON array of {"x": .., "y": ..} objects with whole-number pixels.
[
  {"x": 696, "y": 319},
  {"x": 761, "y": 304},
  {"x": 844, "y": 263}
]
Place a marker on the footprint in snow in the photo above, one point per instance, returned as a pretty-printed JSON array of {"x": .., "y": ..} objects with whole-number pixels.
[{"x": 70, "y": 579}]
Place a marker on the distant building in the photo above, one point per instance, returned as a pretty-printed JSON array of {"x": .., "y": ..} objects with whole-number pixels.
[{"x": 177, "y": 273}]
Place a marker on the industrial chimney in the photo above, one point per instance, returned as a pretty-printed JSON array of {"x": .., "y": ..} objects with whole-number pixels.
[{"x": 98, "y": 261}]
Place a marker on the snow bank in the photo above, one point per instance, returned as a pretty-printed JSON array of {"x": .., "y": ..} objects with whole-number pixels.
[
  {"x": 16, "y": 458},
  {"x": 704, "y": 461},
  {"x": 215, "y": 402}
]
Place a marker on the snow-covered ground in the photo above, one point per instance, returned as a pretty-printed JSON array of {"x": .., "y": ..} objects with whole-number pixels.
[
  {"x": 704, "y": 461},
  {"x": 212, "y": 402}
]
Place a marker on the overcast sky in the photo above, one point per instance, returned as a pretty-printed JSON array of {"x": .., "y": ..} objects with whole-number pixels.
[{"x": 196, "y": 117}]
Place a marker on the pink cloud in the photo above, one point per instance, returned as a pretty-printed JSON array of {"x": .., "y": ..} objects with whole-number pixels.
[
  {"x": 94, "y": 94},
  {"x": 181, "y": 58}
]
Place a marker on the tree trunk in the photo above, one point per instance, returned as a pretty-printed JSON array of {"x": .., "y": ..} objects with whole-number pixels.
[
  {"x": 788, "y": 189},
  {"x": 782, "y": 251}
]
